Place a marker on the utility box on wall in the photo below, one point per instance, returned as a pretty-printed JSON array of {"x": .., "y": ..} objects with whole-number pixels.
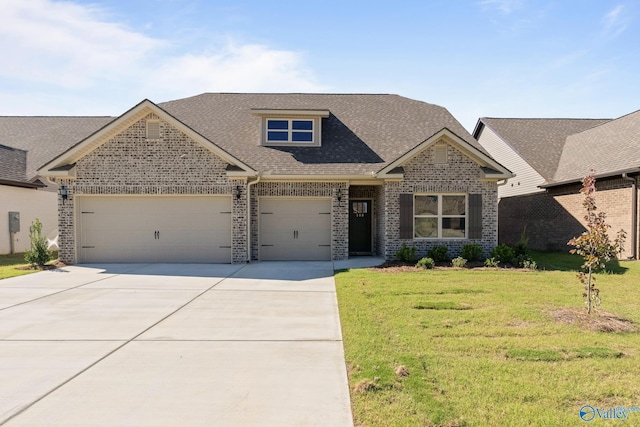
[{"x": 14, "y": 222}]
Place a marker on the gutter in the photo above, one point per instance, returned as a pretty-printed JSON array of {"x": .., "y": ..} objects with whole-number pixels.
[
  {"x": 579, "y": 180},
  {"x": 23, "y": 184},
  {"x": 249, "y": 184},
  {"x": 634, "y": 214}
]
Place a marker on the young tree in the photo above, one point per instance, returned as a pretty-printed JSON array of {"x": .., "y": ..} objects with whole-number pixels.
[
  {"x": 39, "y": 254},
  {"x": 594, "y": 245}
]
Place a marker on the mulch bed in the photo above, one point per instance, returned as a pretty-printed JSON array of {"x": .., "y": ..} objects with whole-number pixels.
[
  {"x": 596, "y": 321},
  {"x": 50, "y": 266}
]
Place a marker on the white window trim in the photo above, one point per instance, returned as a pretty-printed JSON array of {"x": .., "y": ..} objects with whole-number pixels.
[
  {"x": 439, "y": 216},
  {"x": 316, "y": 131},
  {"x": 290, "y": 131}
]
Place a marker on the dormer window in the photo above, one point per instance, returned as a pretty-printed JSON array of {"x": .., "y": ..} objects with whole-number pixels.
[
  {"x": 302, "y": 128},
  {"x": 290, "y": 130}
]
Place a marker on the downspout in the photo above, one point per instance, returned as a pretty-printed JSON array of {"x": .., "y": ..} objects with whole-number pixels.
[
  {"x": 249, "y": 184},
  {"x": 634, "y": 213}
]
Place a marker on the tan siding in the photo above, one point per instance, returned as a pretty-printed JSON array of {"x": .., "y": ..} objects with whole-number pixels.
[{"x": 526, "y": 180}]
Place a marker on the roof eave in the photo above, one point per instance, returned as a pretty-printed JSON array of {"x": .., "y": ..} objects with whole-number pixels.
[{"x": 598, "y": 176}]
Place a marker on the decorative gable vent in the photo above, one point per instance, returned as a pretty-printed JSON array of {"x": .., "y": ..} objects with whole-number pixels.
[
  {"x": 440, "y": 154},
  {"x": 153, "y": 129}
]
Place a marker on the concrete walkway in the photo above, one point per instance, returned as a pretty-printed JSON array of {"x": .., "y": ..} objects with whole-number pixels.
[{"x": 173, "y": 345}]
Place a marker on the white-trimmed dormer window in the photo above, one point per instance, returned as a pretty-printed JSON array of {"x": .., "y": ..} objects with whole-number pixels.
[
  {"x": 290, "y": 131},
  {"x": 301, "y": 128}
]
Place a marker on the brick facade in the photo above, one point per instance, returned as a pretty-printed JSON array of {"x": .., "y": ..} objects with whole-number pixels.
[
  {"x": 130, "y": 164},
  {"x": 423, "y": 175},
  {"x": 553, "y": 218}
]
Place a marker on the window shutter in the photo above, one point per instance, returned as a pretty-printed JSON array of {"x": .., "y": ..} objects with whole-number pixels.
[
  {"x": 406, "y": 216},
  {"x": 475, "y": 216}
]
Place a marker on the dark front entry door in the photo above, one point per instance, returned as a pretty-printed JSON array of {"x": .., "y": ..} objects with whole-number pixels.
[{"x": 360, "y": 227}]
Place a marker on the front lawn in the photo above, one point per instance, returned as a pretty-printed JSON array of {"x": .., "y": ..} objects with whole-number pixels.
[
  {"x": 481, "y": 347},
  {"x": 12, "y": 265}
]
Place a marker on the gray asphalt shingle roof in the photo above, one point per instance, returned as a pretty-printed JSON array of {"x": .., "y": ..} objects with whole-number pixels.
[
  {"x": 611, "y": 147},
  {"x": 42, "y": 138},
  {"x": 363, "y": 133},
  {"x": 540, "y": 142}
]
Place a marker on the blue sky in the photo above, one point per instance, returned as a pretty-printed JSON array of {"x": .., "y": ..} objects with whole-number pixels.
[{"x": 497, "y": 58}]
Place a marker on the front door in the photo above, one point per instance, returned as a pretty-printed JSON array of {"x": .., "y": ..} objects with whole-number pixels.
[{"x": 360, "y": 227}]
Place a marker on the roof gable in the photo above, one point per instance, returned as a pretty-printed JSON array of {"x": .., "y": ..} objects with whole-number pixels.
[
  {"x": 490, "y": 168},
  {"x": 539, "y": 142},
  {"x": 61, "y": 165}
]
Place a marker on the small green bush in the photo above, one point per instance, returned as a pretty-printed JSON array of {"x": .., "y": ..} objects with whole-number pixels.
[
  {"x": 459, "y": 262},
  {"x": 426, "y": 263},
  {"x": 472, "y": 252},
  {"x": 521, "y": 248},
  {"x": 503, "y": 254},
  {"x": 439, "y": 254},
  {"x": 491, "y": 262},
  {"x": 406, "y": 253},
  {"x": 525, "y": 261},
  {"x": 39, "y": 254}
]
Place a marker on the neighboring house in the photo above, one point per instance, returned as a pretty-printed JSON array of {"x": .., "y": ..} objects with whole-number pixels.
[
  {"x": 241, "y": 177},
  {"x": 25, "y": 144},
  {"x": 550, "y": 157}
]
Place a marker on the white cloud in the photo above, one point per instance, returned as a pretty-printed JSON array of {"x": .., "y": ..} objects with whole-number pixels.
[
  {"x": 504, "y": 6},
  {"x": 235, "y": 68},
  {"x": 59, "y": 47},
  {"x": 615, "y": 21}
]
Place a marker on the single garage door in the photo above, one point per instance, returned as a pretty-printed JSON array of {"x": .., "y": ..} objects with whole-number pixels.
[
  {"x": 295, "y": 229},
  {"x": 154, "y": 229}
]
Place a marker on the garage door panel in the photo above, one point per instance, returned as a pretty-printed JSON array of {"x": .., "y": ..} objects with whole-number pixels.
[
  {"x": 295, "y": 229},
  {"x": 154, "y": 229}
]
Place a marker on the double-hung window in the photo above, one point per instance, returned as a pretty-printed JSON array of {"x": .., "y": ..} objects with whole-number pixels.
[
  {"x": 440, "y": 216},
  {"x": 290, "y": 131}
]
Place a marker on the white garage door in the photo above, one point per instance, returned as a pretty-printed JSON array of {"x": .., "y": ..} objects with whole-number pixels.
[
  {"x": 154, "y": 229},
  {"x": 295, "y": 229}
]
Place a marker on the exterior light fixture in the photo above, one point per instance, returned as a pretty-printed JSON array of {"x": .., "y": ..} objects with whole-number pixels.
[
  {"x": 339, "y": 195},
  {"x": 63, "y": 193},
  {"x": 238, "y": 192}
]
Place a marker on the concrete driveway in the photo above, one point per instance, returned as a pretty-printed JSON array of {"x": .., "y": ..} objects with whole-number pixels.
[{"x": 173, "y": 345}]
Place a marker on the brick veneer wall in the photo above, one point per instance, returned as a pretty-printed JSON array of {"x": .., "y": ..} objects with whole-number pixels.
[
  {"x": 130, "y": 164},
  {"x": 422, "y": 175},
  {"x": 554, "y": 217}
]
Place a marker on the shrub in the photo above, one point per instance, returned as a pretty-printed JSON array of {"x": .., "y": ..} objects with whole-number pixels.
[
  {"x": 503, "y": 254},
  {"x": 39, "y": 254},
  {"x": 439, "y": 254},
  {"x": 521, "y": 248},
  {"x": 406, "y": 253},
  {"x": 472, "y": 252},
  {"x": 459, "y": 262},
  {"x": 529, "y": 264},
  {"x": 525, "y": 261},
  {"x": 491, "y": 262},
  {"x": 426, "y": 263}
]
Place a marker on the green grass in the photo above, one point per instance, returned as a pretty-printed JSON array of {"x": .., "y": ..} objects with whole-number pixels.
[
  {"x": 481, "y": 348},
  {"x": 9, "y": 264}
]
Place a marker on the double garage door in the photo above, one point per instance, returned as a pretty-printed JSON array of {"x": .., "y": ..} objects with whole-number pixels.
[{"x": 154, "y": 229}]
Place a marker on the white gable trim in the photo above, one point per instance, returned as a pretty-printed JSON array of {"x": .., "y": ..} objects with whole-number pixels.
[
  {"x": 453, "y": 139},
  {"x": 146, "y": 107}
]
